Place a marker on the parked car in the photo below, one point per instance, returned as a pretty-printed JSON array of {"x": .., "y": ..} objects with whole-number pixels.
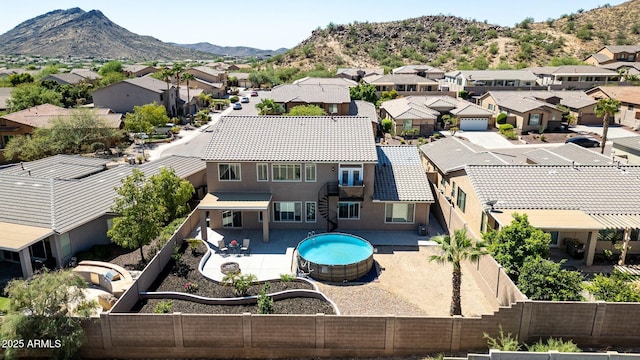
[
  {"x": 237, "y": 106},
  {"x": 244, "y": 99},
  {"x": 254, "y": 93},
  {"x": 583, "y": 141}
]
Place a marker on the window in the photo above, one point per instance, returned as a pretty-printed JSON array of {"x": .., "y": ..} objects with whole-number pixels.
[
  {"x": 229, "y": 172},
  {"x": 443, "y": 182},
  {"x": 453, "y": 189},
  {"x": 287, "y": 211},
  {"x": 65, "y": 245},
  {"x": 349, "y": 210},
  {"x": 407, "y": 124},
  {"x": 333, "y": 108},
  {"x": 310, "y": 172},
  {"x": 286, "y": 172},
  {"x": 554, "y": 238},
  {"x": 534, "y": 119},
  {"x": 461, "y": 200},
  {"x": 310, "y": 211},
  {"x": 399, "y": 213},
  {"x": 232, "y": 219},
  {"x": 630, "y": 107},
  {"x": 259, "y": 216},
  {"x": 350, "y": 175},
  {"x": 262, "y": 172},
  {"x": 490, "y": 107}
]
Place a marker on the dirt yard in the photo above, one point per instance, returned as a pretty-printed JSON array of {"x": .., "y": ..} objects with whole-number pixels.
[{"x": 409, "y": 284}]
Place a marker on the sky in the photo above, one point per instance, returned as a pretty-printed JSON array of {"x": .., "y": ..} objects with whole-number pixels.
[{"x": 272, "y": 24}]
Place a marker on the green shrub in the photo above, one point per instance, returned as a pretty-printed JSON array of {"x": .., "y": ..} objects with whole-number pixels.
[
  {"x": 387, "y": 125},
  {"x": 265, "y": 302},
  {"x": 163, "y": 307},
  {"x": 511, "y": 135},
  {"x": 554, "y": 344},
  {"x": 501, "y": 119},
  {"x": 190, "y": 287},
  {"x": 617, "y": 287},
  {"x": 504, "y": 342},
  {"x": 542, "y": 279},
  {"x": 234, "y": 99},
  {"x": 240, "y": 282},
  {"x": 175, "y": 129},
  {"x": 504, "y": 128},
  {"x": 463, "y": 94},
  {"x": 287, "y": 277}
]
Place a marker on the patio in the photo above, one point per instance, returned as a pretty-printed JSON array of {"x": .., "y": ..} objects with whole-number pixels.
[{"x": 270, "y": 260}]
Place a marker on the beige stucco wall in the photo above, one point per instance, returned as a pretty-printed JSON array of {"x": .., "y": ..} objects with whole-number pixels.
[
  {"x": 633, "y": 157},
  {"x": 122, "y": 97}
]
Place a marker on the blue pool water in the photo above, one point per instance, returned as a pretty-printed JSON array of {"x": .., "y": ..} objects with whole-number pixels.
[{"x": 335, "y": 249}]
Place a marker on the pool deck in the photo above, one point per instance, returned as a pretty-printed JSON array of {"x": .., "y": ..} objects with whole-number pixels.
[{"x": 270, "y": 260}]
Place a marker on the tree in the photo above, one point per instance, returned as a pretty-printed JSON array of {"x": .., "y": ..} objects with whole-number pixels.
[
  {"x": 178, "y": 69},
  {"x": 22, "y": 78},
  {"x": 110, "y": 67},
  {"x": 111, "y": 78},
  {"x": 366, "y": 92},
  {"x": 542, "y": 279},
  {"x": 306, "y": 110},
  {"x": 144, "y": 118},
  {"x": 188, "y": 77},
  {"x": 172, "y": 192},
  {"x": 269, "y": 107},
  {"x": 29, "y": 95},
  {"x": 50, "y": 305},
  {"x": 512, "y": 244},
  {"x": 606, "y": 108},
  {"x": 454, "y": 251},
  {"x": 141, "y": 215},
  {"x": 617, "y": 287},
  {"x": 166, "y": 74}
]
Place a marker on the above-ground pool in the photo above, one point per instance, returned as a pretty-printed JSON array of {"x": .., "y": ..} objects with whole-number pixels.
[{"x": 335, "y": 257}]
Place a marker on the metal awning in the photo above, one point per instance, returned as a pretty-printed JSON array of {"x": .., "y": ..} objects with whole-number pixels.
[
  {"x": 618, "y": 221},
  {"x": 15, "y": 237},
  {"x": 550, "y": 219},
  {"x": 235, "y": 201}
]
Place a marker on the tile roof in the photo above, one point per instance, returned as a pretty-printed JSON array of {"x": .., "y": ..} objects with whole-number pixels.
[
  {"x": 64, "y": 167},
  {"x": 287, "y": 138},
  {"x": 452, "y": 154},
  {"x": 414, "y": 69},
  {"x": 326, "y": 94},
  {"x": 470, "y": 109},
  {"x": 598, "y": 189},
  {"x": 5, "y": 94},
  {"x": 67, "y": 78},
  {"x": 476, "y": 75},
  {"x": 42, "y": 115},
  {"x": 582, "y": 69},
  {"x": 326, "y": 81},
  {"x": 135, "y": 68},
  {"x": 399, "y": 175},
  {"x": 86, "y": 73},
  {"x": 631, "y": 142},
  {"x": 207, "y": 70},
  {"x": 567, "y": 154},
  {"x": 363, "y": 108},
  {"x": 517, "y": 102},
  {"x": 239, "y": 75},
  {"x": 149, "y": 83},
  {"x": 569, "y": 98},
  {"x": 626, "y": 94},
  {"x": 600, "y": 58},
  {"x": 623, "y": 48},
  {"x": 355, "y": 71},
  {"x": 398, "y": 79},
  {"x": 424, "y": 107},
  {"x": 63, "y": 205}
]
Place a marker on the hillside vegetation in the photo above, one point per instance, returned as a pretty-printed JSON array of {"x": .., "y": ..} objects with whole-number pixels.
[{"x": 451, "y": 42}]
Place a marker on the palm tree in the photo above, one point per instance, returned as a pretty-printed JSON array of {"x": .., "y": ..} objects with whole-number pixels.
[
  {"x": 167, "y": 74},
  {"x": 178, "y": 69},
  {"x": 269, "y": 107},
  {"x": 186, "y": 77},
  {"x": 606, "y": 108},
  {"x": 454, "y": 251}
]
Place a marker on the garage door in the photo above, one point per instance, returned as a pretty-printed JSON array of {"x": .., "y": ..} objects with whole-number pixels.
[{"x": 474, "y": 124}]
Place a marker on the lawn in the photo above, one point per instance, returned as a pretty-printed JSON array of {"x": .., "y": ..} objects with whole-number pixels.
[{"x": 4, "y": 305}]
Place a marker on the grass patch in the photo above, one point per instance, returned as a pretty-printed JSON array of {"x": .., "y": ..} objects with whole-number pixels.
[{"x": 4, "y": 305}]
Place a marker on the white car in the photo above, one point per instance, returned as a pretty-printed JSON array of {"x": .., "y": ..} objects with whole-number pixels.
[{"x": 244, "y": 99}]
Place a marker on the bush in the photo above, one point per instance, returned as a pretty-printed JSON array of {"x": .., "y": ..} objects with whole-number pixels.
[
  {"x": 511, "y": 135},
  {"x": 387, "y": 125},
  {"x": 163, "y": 307},
  {"x": 505, "y": 128},
  {"x": 233, "y": 99},
  {"x": 554, "y": 344},
  {"x": 190, "y": 287},
  {"x": 265, "y": 302},
  {"x": 240, "y": 282},
  {"x": 501, "y": 119},
  {"x": 287, "y": 277},
  {"x": 504, "y": 342},
  {"x": 617, "y": 287},
  {"x": 542, "y": 279}
]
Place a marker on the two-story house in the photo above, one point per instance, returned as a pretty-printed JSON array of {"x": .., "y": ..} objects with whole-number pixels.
[
  {"x": 572, "y": 77},
  {"x": 524, "y": 112},
  {"x": 137, "y": 70},
  {"x": 211, "y": 81},
  {"x": 481, "y": 81},
  {"x": 629, "y": 97},
  {"x": 404, "y": 84},
  {"x": 315, "y": 173},
  {"x": 614, "y": 53},
  {"x": 356, "y": 74},
  {"x": 422, "y": 70},
  {"x": 334, "y": 99},
  {"x": 123, "y": 96}
]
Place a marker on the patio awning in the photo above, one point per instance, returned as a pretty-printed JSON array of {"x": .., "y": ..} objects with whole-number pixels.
[
  {"x": 550, "y": 219},
  {"x": 618, "y": 221},
  {"x": 14, "y": 237},
  {"x": 235, "y": 201}
]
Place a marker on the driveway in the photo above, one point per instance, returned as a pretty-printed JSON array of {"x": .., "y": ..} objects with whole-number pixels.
[
  {"x": 614, "y": 132},
  {"x": 486, "y": 139}
]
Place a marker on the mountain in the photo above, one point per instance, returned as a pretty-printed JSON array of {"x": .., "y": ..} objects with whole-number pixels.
[
  {"x": 76, "y": 33},
  {"x": 450, "y": 42},
  {"x": 241, "y": 51}
]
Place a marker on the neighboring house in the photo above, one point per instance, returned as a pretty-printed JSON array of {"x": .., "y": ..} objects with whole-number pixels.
[
  {"x": 366, "y": 109},
  {"x": 320, "y": 173},
  {"x": 211, "y": 81},
  {"x": 613, "y": 53},
  {"x": 124, "y": 95},
  {"x": 236, "y": 67},
  {"x": 326, "y": 81},
  {"x": 579, "y": 104},
  {"x": 481, "y": 81},
  {"x": 578, "y": 77},
  {"x": 65, "y": 78},
  {"x": 624, "y": 68},
  {"x": 627, "y": 148},
  {"x": 26, "y": 121},
  {"x": 629, "y": 97},
  {"x": 424, "y": 113},
  {"x": 190, "y": 100},
  {"x": 5, "y": 94},
  {"x": 357, "y": 74},
  {"x": 525, "y": 113},
  {"x": 403, "y": 84},
  {"x": 423, "y": 70},
  {"x": 52, "y": 208},
  {"x": 571, "y": 193},
  {"x": 566, "y": 154},
  {"x": 89, "y": 75},
  {"x": 138, "y": 70},
  {"x": 242, "y": 79},
  {"x": 334, "y": 99}
]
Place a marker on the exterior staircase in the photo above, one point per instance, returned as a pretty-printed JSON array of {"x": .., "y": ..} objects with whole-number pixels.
[{"x": 329, "y": 189}]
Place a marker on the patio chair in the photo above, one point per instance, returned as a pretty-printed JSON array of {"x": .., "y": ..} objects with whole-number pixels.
[
  {"x": 222, "y": 248},
  {"x": 245, "y": 245}
]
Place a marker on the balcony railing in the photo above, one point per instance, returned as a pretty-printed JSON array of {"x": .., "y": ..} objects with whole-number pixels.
[{"x": 351, "y": 192}]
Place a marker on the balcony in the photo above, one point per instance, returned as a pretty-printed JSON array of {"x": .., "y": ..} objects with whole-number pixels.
[{"x": 355, "y": 192}]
